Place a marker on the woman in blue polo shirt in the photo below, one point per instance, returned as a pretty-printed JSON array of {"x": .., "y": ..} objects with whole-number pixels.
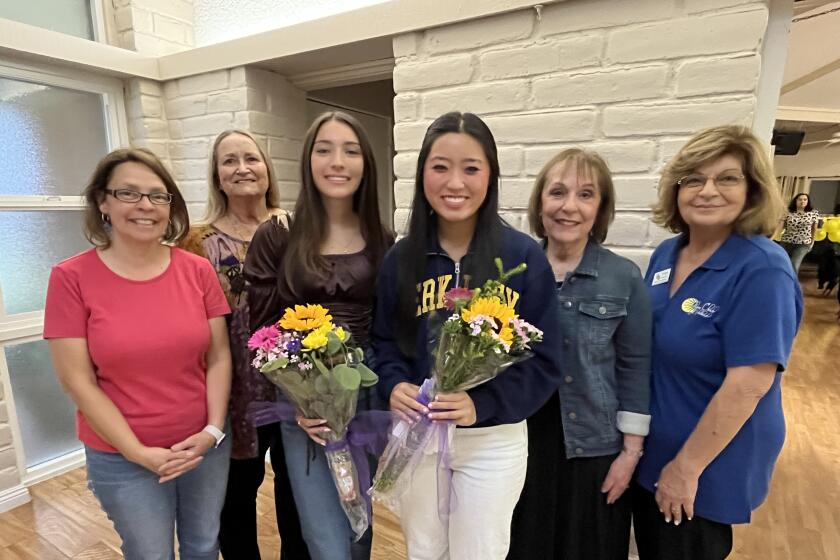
[{"x": 726, "y": 307}]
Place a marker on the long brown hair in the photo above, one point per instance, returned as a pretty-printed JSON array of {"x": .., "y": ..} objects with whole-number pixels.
[
  {"x": 96, "y": 229},
  {"x": 309, "y": 226}
]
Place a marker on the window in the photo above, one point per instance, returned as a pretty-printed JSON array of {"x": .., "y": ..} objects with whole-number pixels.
[
  {"x": 53, "y": 131},
  {"x": 73, "y": 17}
]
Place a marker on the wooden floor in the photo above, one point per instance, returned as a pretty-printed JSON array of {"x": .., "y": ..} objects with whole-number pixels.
[{"x": 800, "y": 521}]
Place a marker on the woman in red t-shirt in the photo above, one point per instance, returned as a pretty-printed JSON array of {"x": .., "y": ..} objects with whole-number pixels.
[{"x": 138, "y": 338}]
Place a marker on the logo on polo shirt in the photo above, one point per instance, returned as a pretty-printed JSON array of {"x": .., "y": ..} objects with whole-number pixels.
[{"x": 694, "y": 306}]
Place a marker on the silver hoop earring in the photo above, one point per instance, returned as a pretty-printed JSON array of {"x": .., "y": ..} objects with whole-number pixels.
[{"x": 105, "y": 218}]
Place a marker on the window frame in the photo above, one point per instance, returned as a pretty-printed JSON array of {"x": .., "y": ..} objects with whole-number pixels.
[
  {"x": 20, "y": 328},
  {"x": 112, "y": 91}
]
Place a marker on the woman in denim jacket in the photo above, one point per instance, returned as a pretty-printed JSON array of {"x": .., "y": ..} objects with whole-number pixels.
[{"x": 585, "y": 442}]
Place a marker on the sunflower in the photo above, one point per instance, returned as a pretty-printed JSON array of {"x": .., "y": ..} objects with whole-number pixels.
[
  {"x": 506, "y": 336},
  {"x": 492, "y": 308},
  {"x": 305, "y": 318}
]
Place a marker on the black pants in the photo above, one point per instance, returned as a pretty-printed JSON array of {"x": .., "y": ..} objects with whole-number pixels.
[
  {"x": 238, "y": 532},
  {"x": 562, "y": 513},
  {"x": 698, "y": 539}
]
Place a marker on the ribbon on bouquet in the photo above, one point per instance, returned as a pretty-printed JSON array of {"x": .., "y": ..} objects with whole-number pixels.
[
  {"x": 366, "y": 434},
  {"x": 444, "y": 466}
]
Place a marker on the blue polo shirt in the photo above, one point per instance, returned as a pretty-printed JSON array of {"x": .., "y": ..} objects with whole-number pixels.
[{"x": 741, "y": 307}]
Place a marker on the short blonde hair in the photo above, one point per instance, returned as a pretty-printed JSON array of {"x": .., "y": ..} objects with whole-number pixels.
[
  {"x": 216, "y": 198},
  {"x": 587, "y": 164},
  {"x": 764, "y": 206}
]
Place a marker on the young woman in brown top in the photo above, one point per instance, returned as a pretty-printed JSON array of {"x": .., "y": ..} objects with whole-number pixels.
[{"x": 329, "y": 256}]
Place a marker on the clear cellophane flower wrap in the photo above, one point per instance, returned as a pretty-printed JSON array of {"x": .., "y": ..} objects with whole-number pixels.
[
  {"x": 315, "y": 366},
  {"x": 481, "y": 339}
]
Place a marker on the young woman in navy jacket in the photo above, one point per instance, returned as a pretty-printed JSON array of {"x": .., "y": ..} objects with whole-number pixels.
[{"x": 455, "y": 233}]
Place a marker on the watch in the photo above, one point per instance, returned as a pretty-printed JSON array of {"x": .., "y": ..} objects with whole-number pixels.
[{"x": 217, "y": 434}]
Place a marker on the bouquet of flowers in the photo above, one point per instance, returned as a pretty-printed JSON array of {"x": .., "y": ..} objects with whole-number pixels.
[
  {"x": 481, "y": 338},
  {"x": 314, "y": 364}
]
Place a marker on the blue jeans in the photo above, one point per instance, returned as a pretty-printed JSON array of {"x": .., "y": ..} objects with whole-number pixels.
[
  {"x": 324, "y": 524},
  {"x": 146, "y": 514},
  {"x": 796, "y": 252}
]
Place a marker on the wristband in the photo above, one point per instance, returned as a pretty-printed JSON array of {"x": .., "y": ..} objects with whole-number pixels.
[{"x": 217, "y": 434}]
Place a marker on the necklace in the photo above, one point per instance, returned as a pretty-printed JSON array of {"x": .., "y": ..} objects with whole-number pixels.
[
  {"x": 331, "y": 247},
  {"x": 241, "y": 230}
]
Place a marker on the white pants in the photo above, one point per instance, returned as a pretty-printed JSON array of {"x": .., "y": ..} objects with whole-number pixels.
[{"x": 488, "y": 471}]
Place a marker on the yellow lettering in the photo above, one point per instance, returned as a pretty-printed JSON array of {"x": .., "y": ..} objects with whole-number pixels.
[
  {"x": 511, "y": 296},
  {"x": 443, "y": 282},
  {"x": 419, "y": 309},
  {"x": 427, "y": 298}
]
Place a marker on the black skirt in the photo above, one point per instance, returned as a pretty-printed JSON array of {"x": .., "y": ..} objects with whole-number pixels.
[
  {"x": 698, "y": 539},
  {"x": 562, "y": 513}
]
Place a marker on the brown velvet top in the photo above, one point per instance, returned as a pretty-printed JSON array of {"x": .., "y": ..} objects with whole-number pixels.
[{"x": 347, "y": 290}]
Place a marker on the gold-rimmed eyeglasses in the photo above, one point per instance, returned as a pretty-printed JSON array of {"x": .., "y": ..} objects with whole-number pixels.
[{"x": 725, "y": 180}]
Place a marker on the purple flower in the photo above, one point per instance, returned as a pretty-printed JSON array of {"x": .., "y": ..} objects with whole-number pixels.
[
  {"x": 293, "y": 346},
  {"x": 265, "y": 338}
]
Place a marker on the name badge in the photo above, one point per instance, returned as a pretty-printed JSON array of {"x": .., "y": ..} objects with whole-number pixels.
[{"x": 661, "y": 277}]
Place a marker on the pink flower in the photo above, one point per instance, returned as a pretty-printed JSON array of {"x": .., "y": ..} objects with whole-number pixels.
[
  {"x": 265, "y": 338},
  {"x": 455, "y": 295}
]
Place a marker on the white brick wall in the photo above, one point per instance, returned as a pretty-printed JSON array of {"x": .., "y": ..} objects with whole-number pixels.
[
  {"x": 9, "y": 476},
  {"x": 147, "y": 124},
  {"x": 199, "y": 107},
  {"x": 630, "y": 80},
  {"x": 180, "y": 119},
  {"x": 154, "y": 27}
]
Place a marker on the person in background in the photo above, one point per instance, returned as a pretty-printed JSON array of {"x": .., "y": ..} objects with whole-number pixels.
[
  {"x": 242, "y": 195},
  {"x": 799, "y": 225},
  {"x": 137, "y": 333},
  {"x": 584, "y": 444},
  {"x": 726, "y": 308},
  {"x": 454, "y": 235},
  {"x": 329, "y": 256}
]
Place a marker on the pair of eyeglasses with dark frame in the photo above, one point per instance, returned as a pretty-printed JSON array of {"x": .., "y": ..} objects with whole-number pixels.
[
  {"x": 128, "y": 195},
  {"x": 725, "y": 180}
]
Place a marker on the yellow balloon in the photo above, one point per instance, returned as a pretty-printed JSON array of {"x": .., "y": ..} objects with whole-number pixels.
[
  {"x": 819, "y": 235},
  {"x": 834, "y": 236},
  {"x": 832, "y": 225}
]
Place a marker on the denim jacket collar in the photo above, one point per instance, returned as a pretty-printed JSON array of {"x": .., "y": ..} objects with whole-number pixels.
[{"x": 588, "y": 265}]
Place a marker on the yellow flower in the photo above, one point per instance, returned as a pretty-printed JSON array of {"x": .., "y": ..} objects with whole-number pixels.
[
  {"x": 506, "y": 335},
  {"x": 342, "y": 336},
  {"x": 315, "y": 340},
  {"x": 491, "y": 307},
  {"x": 305, "y": 318}
]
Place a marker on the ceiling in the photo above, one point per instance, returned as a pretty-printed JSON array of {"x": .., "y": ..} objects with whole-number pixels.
[{"x": 812, "y": 71}]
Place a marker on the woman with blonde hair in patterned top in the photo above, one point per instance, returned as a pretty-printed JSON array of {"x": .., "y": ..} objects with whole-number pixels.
[{"x": 242, "y": 195}]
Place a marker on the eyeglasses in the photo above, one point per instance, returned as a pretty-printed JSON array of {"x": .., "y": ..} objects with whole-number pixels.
[
  {"x": 725, "y": 180},
  {"x": 128, "y": 195}
]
